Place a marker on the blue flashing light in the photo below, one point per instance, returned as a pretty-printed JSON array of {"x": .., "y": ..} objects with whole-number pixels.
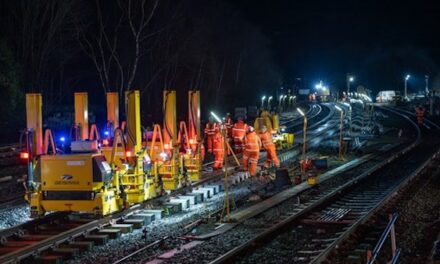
[
  {"x": 106, "y": 133},
  {"x": 62, "y": 139}
]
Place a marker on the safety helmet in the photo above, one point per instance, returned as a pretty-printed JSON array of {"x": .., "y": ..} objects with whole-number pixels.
[{"x": 251, "y": 129}]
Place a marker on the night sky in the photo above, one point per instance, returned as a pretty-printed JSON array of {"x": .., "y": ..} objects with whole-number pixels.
[{"x": 378, "y": 41}]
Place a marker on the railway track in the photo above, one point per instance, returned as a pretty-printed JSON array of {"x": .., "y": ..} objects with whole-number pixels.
[
  {"x": 310, "y": 215},
  {"x": 332, "y": 214},
  {"x": 74, "y": 230}
]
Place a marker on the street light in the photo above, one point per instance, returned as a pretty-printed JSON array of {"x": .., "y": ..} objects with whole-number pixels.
[
  {"x": 262, "y": 101},
  {"x": 319, "y": 85},
  {"x": 406, "y": 85},
  {"x": 340, "y": 130},
  {"x": 304, "y": 133},
  {"x": 268, "y": 102},
  {"x": 350, "y": 79}
]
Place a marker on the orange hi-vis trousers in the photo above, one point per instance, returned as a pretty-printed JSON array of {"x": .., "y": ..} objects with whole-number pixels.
[
  {"x": 209, "y": 143},
  {"x": 250, "y": 161},
  {"x": 271, "y": 156},
  {"x": 218, "y": 158}
]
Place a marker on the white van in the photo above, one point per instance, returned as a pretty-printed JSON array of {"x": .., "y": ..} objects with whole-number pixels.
[{"x": 386, "y": 96}]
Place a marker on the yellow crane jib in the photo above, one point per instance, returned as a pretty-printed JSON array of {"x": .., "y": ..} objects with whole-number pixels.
[
  {"x": 171, "y": 171},
  {"x": 135, "y": 179},
  {"x": 194, "y": 165},
  {"x": 109, "y": 133},
  {"x": 82, "y": 115},
  {"x": 112, "y": 111}
]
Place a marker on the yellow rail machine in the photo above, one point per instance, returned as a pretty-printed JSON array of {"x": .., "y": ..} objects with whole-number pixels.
[
  {"x": 171, "y": 170},
  {"x": 80, "y": 181},
  {"x": 282, "y": 140},
  {"x": 193, "y": 159},
  {"x": 137, "y": 177}
]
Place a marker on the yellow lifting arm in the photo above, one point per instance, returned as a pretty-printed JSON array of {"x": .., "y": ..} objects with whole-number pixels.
[
  {"x": 34, "y": 120},
  {"x": 133, "y": 111},
  {"x": 82, "y": 115},
  {"x": 113, "y": 109}
]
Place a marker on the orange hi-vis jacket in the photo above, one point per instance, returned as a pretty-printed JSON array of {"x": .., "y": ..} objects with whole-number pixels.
[
  {"x": 239, "y": 131},
  {"x": 251, "y": 153},
  {"x": 252, "y": 142},
  {"x": 229, "y": 125},
  {"x": 420, "y": 113},
  {"x": 210, "y": 131}
]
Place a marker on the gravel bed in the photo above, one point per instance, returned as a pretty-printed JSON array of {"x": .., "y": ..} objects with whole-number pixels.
[
  {"x": 170, "y": 226},
  {"x": 417, "y": 226},
  {"x": 14, "y": 216},
  {"x": 417, "y": 212}
]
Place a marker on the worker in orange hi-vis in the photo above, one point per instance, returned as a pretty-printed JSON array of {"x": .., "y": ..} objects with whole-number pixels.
[
  {"x": 238, "y": 134},
  {"x": 210, "y": 130},
  {"x": 218, "y": 150},
  {"x": 229, "y": 124},
  {"x": 252, "y": 144},
  {"x": 271, "y": 154},
  {"x": 420, "y": 114}
]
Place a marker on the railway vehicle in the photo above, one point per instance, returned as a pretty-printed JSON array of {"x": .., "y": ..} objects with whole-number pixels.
[
  {"x": 102, "y": 176},
  {"x": 283, "y": 140}
]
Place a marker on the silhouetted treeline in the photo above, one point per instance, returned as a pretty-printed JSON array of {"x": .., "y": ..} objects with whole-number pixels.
[{"x": 58, "y": 47}]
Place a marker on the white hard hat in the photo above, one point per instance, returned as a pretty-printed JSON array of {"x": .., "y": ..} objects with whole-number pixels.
[{"x": 251, "y": 129}]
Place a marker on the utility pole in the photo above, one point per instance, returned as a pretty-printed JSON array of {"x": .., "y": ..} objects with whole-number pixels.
[
  {"x": 349, "y": 78},
  {"x": 430, "y": 94},
  {"x": 406, "y": 86},
  {"x": 426, "y": 85}
]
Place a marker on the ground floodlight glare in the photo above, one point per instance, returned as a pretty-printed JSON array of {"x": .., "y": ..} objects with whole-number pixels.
[
  {"x": 338, "y": 108},
  {"x": 300, "y": 111},
  {"x": 216, "y": 117}
]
